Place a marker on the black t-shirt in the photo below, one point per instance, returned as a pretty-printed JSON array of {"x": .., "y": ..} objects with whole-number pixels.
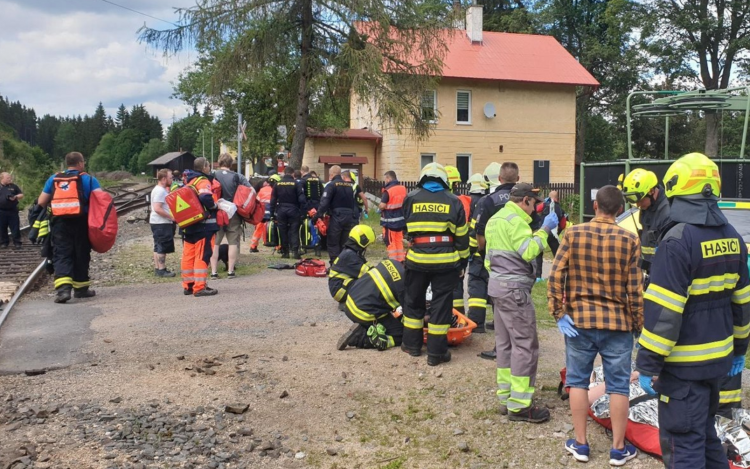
[{"x": 9, "y": 191}]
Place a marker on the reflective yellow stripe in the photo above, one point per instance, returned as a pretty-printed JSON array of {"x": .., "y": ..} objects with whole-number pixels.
[
  {"x": 665, "y": 298},
  {"x": 477, "y": 303},
  {"x": 384, "y": 289},
  {"x": 358, "y": 312},
  {"x": 461, "y": 230},
  {"x": 656, "y": 344},
  {"x": 716, "y": 283},
  {"x": 438, "y": 329},
  {"x": 81, "y": 284},
  {"x": 438, "y": 258},
  {"x": 59, "y": 282},
  {"x": 363, "y": 270},
  {"x": 741, "y": 296},
  {"x": 727, "y": 397},
  {"x": 411, "y": 323},
  {"x": 464, "y": 254},
  {"x": 339, "y": 295},
  {"x": 648, "y": 251},
  {"x": 741, "y": 332},
  {"x": 701, "y": 352},
  {"x": 473, "y": 243},
  {"x": 427, "y": 226},
  {"x": 458, "y": 302}
]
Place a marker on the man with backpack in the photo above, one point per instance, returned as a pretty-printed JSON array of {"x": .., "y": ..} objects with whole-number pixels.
[
  {"x": 287, "y": 201},
  {"x": 67, "y": 194},
  {"x": 229, "y": 181}
]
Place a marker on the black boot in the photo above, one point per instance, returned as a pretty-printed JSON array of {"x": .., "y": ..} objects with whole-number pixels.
[
  {"x": 284, "y": 254},
  {"x": 297, "y": 254},
  {"x": 317, "y": 251},
  {"x": 434, "y": 360},
  {"x": 84, "y": 292},
  {"x": 63, "y": 294},
  {"x": 354, "y": 337}
]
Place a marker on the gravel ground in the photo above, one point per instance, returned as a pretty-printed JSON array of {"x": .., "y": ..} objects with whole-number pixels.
[{"x": 251, "y": 378}]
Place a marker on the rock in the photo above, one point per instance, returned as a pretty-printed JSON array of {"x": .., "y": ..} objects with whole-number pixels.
[
  {"x": 236, "y": 408},
  {"x": 107, "y": 418},
  {"x": 265, "y": 446},
  {"x": 457, "y": 432},
  {"x": 245, "y": 431},
  {"x": 567, "y": 427},
  {"x": 463, "y": 447},
  {"x": 439, "y": 374},
  {"x": 284, "y": 358},
  {"x": 407, "y": 440},
  {"x": 563, "y": 460},
  {"x": 180, "y": 357},
  {"x": 312, "y": 324},
  {"x": 558, "y": 435},
  {"x": 110, "y": 456},
  {"x": 116, "y": 400},
  {"x": 284, "y": 394},
  {"x": 13, "y": 426},
  {"x": 300, "y": 455},
  {"x": 274, "y": 454},
  {"x": 332, "y": 451},
  {"x": 339, "y": 438},
  {"x": 210, "y": 372},
  {"x": 351, "y": 414}
]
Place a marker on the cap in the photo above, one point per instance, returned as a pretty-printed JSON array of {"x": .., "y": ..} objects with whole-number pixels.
[{"x": 524, "y": 189}]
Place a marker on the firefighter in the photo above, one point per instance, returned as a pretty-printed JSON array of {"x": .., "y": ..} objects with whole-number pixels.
[
  {"x": 287, "y": 202},
  {"x": 313, "y": 188},
  {"x": 338, "y": 198},
  {"x": 198, "y": 244},
  {"x": 477, "y": 189},
  {"x": 351, "y": 263},
  {"x": 696, "y": 315},
  {"x": 641, "y": 187},
  {"x": 501, "y": 179},
  {"x": 67, "y": 194},
  {"x": 370, "y": 305},
  {"x": 264, "y": 197},
  {"x": 392, "y": 216},
  {"x": 437, "y": 257},
  {"x": 454, "y": 178},
  {"x": 512, "y": 248}
]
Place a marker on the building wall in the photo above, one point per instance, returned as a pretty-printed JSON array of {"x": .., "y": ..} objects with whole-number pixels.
[
  {"x": 315, "y": 148},
  {"x": 533, "y": 122}
]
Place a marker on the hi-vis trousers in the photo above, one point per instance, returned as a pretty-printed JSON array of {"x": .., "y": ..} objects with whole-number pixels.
[
  {"x": 196, "y": 256},
  {"x": 394, "y": 241},
  {"x": 259, "y": 235},
  {"x": 517, "y": 346}
]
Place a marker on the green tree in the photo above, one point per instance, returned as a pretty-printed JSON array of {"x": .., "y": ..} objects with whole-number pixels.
[
  {"x": 66, "y": 139},
  {"x": 510, "y": 16},
  {"x": 153, "y": 149},
  {"x": 102, "y": 159}
]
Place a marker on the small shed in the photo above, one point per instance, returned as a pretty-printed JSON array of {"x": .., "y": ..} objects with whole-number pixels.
[{"x": 176, "y": 160}]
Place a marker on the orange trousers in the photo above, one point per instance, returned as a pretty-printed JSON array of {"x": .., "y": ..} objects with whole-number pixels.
[
  {"x": 394, "y": 240},
  {"x": 258, "y": 235},
  {"x": 194, "y": 263}
]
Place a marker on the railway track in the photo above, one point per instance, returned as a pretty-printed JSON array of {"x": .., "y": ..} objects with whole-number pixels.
[{"x": 21, "y": 268}]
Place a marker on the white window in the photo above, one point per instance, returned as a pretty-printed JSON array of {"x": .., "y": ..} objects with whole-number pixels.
[
  {"x": 348, "y": 155},
  {"x": 463, "y": 164},
  {"x": 429, "y": 106},
  {"x": 426, "y": 158},
  {"x": 463, "y": 107}
]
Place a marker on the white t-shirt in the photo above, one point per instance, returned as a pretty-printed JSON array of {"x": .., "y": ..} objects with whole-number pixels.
[{"x": 159, "y": 199}]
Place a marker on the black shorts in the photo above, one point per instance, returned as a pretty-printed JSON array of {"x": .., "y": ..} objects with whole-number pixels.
[{"x": 163, "y": 238}]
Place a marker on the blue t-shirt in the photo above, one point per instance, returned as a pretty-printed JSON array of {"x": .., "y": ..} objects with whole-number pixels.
[{"x": 88, "y": 181}]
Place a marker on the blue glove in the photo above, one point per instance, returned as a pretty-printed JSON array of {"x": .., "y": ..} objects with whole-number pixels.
[
  {"x": 366, "y": 215},
  {"x": 550, "y": 221},
  {"x": 645, "y": 383},
  {"x": 566, "y": 326},
  {"x": 738, "y": 364}
]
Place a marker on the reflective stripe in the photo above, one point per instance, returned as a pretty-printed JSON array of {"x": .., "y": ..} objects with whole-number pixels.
[
  {"x": 427, "y": 226},
  {"x": 75, "y": 284},
  {"x": 741, "y": 296},
  {"x": 665, "y": 298},
  {"x": 384, "y": 289},
  {"x": 411, "y": 323},
  {"x": 59, "y": 282},
  {"x": 391, "y": 220},
  {"x": 477, "y": 302},
  {"x": 458, "y": 302},
  {"x": 393, "y": 206},
  {"x": 701, "y": 352},
  {"x": 358, "y": 313},
  {"x": 656, "y": 344},
  {"x": 65, "y": 204},
  {"x": 741, "y": 332},
  {"x": 716, "y": 283},
  {"x": 438, "y": 258},
  {"x": 473, "y": 243},
  {"x": 464, "y": 254},
  {"x": 339, "y": 295},
  {"x": 726, "y": 397},
  {"x": 648, "y": 251},
  {"x": 438, "y": 329},
  {"x": 461, "y": 230},
  {"x": 188, "y": 279}
]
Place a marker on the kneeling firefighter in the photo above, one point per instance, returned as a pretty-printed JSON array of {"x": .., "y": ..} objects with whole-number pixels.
[
  {"x": 351, "y": 263},
  {"x": 370, "y": 304}
]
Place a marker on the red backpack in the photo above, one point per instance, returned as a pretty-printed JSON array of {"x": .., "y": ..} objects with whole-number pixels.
[
  {"x": 102, "y": 221},
  {"x": 245, "y": 199},
  {"x": 311, "y": 268}
]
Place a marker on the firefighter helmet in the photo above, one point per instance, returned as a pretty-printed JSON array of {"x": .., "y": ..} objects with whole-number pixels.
[
  {"x": 435, "y": 171},
  {"x": 274, "y": 178},
  {"x": 478, "y": 184},
  {"x": 637, "y": 184},
  {"x": 454, "y": 177},
  {"x": 693, "y": 174},
  {"x": 492, "y": 174},
  {"x": 362, "y": 235}
]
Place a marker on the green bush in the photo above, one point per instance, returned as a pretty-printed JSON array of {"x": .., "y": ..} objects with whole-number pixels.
[
  {"x": 571, "y": 204},
  {"x": 30, "y": 167}
]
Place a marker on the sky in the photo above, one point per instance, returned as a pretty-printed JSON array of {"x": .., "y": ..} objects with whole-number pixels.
[{"x": 62, "y": 57}]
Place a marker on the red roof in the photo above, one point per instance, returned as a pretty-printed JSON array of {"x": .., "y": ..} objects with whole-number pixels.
[{"x": 346, "y": 134}]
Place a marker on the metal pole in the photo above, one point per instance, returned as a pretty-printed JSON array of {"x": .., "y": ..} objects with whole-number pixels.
[
  {"x": 203, "y": 139},
  {"x": 212, "y": 148},
  {"x": 627, "y": 115},
  {"x": 666, "y": 139},
  {"x": 239, "y": 143},
  {"x": 581, "y": 193},
  {"x": 744, "y": 133}
]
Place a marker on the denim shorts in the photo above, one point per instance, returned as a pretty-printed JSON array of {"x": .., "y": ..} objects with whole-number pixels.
[{"x": 615, "y": 348}]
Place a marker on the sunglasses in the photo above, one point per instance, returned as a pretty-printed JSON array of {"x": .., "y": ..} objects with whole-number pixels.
[{"x": 634, "y": 197}]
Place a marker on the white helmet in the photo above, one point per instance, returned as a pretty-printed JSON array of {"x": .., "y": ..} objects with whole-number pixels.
[
  {"x": 435, "y": 171},
  {"x": 492, "y": 174}
]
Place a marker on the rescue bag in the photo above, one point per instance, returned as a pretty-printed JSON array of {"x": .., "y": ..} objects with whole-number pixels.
[
  {"x": 308, "y": 234},
  {"x": 185, "y": 206},
  {"x": 245, "y": 199},
  {"x": 311, "y": 268},
  {"x": 272, "y": 234},
  {"x": 258, "y": 214},
  {"x": 67, "y": 195},
  {"x": 102, "y": 221}
]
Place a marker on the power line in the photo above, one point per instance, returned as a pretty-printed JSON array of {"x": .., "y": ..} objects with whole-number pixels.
[{"x": 138, "y": 12}]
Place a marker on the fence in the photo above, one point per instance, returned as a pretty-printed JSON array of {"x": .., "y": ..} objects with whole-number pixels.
[{"x": 375, "y": 187}]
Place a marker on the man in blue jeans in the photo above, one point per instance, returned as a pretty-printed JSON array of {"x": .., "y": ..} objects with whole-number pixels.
[{"x": 595, "y": 294}]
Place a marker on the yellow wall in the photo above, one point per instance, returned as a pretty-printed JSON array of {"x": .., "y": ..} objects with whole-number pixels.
[
  {"x": 315, "y": 148},
  {"x": 533, "y": 122}
]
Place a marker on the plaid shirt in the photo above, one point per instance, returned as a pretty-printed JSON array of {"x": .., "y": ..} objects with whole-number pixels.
[{"x": 595, "y": 278}]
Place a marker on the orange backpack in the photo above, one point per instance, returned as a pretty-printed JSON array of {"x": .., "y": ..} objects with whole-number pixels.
[
  {"x": 185, "y": 206},
  {"x": 67, "y": 195}
]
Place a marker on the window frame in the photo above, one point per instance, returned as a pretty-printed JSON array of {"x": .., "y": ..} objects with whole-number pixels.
[
  {"x": 465, "y": 155},
  {"x": 434, "y": 120},
  {"x": 422, "y": 155},
  {"x": 467, "y": 122}
]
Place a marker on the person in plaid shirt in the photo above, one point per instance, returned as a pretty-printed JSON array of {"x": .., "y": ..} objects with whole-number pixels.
[{"x": 595, "y": 293}]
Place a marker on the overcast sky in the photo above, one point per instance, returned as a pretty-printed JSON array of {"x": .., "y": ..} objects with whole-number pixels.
[{"x": 62, "y": 57}]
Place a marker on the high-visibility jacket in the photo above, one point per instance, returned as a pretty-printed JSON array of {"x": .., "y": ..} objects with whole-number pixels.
[
  {"x": 379, "y": 292},
  {"x": 204, "y": 186},
  {"x": 697, "y": 306},
  {"x": 67, "y": 197},
  {"x": 653, "y": 221},
  {"x": 436, "y": 224},
  {"x": 264, "y": 197},
  {"x": 512, "y": 247},
  {"x": 485, "y": 208},
  {"x": 348, "y": 267},
  {"x": 392, "y": 216},
  {"x": 466, "y": 200}
]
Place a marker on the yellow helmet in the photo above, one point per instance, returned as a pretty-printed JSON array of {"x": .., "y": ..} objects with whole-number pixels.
[
  {"x": 492, "y": 174},
  {"x": 434, "y": 170},
  {"x": 454, "y": 177},
  {"x": 637, "y": 184},
  {"x": 362, "y": 235},
  {"x": 693, "y": 174},
  {"x": 478, "y": 184},
  {"x": 619, "y": 181}
]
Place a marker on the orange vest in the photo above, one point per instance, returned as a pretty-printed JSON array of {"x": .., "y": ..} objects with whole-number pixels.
[
  {"x": 466, "y": 201},
  {"x": 67, "y": 195},
  {"x": 393, "y": 214},
  {"x": 264, "y": 194}
]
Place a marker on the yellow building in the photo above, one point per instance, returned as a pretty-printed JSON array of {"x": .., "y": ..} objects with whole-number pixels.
[{"x": 502, "y": 97}]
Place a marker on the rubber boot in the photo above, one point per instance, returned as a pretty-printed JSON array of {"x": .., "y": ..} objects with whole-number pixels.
[
  {"x": 317, "y": 251},
  {"x": 63, "y": 294},
  {"x": 434, "y": 360},
  {"x": 297, "y": 254},
  {"x": 85, "y": 292},
  {"x": 284, "y": 254}
]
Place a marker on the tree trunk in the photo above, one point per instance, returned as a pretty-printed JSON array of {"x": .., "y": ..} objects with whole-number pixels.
[
  {"x": 303, "y": 93},
  {"x": 712, "y": 135}
]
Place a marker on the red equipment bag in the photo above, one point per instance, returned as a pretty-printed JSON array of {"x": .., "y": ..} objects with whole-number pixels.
[
  {"x": 102, "y": 221},
  {"x": 245, "y": 199},
  {"x": 322, "y": 225},
  {"x": 311, "y": 268},
  {"x": 259, "y": 212},
  {"x": 185, "y": 206}
]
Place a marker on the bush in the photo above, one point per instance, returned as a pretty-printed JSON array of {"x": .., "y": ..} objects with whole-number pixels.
[{"x": 571, "y": 204}]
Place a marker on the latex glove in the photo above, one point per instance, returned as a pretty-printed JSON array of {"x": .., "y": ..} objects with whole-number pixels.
[
  {"x": 645, "y": 383},
  {"x": 366, "y": 215},
  {"x": 550, "y": 221},
  {"x": 738, "y": 364},
  {"x": 566, "y": 326}
]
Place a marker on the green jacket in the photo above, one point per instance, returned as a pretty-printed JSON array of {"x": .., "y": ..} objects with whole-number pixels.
[{"x": 512, "y": 248}]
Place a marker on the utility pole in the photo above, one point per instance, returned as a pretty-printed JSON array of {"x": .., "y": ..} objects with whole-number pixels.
[
  {"x": 239, "y": 143},
  {"x": 212, "y": 147}
]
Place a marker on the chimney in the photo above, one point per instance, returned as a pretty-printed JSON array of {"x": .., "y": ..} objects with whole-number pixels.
[
  {"x": 458, "y": 20},
  {"x": 474, "y": 23}
]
